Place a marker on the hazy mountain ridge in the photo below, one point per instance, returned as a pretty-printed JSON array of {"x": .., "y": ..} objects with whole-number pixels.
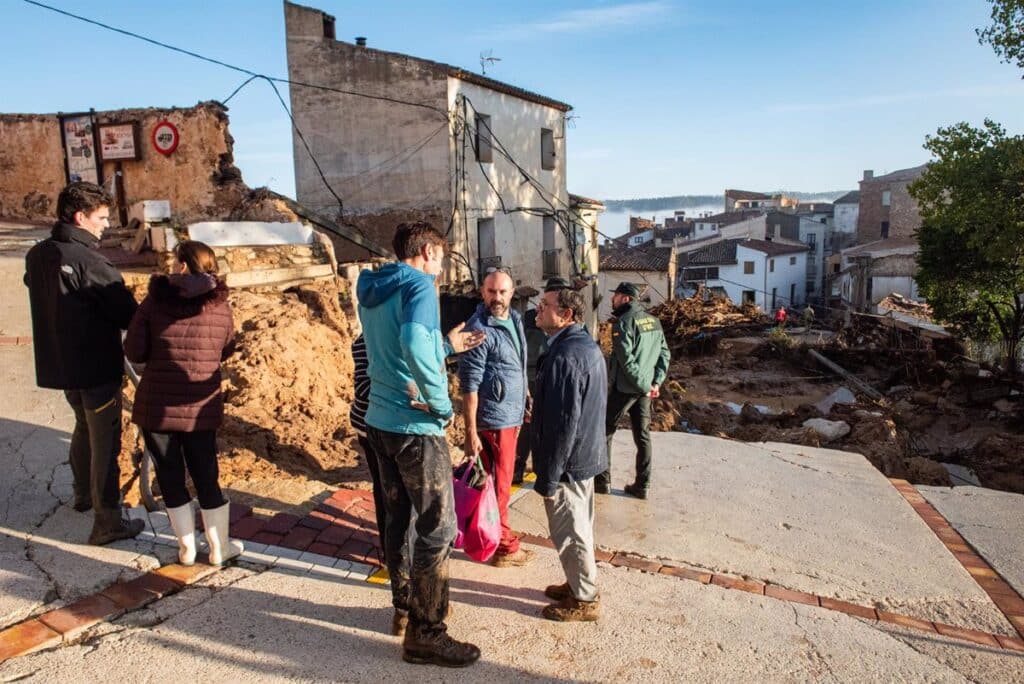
[{"x": 649, "y": 204}]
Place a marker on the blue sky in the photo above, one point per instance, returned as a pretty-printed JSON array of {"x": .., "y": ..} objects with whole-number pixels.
[{"x": 671, "y": 96}]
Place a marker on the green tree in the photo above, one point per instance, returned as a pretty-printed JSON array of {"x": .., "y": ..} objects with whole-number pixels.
[
  {"x": 971, "y": 263},
  {"x": 1006, "y": 33}
]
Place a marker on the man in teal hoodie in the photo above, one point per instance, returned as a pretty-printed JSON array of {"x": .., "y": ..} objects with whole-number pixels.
[{"x": 409, "y": 409}]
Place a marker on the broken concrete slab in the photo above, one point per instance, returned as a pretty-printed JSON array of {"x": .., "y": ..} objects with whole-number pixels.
[
  {"x": 991, "y": 521},
  {"x": 841, "y": 396},
  {"x": 815, "y": 520},
  {"x": 828, "y": 430}
]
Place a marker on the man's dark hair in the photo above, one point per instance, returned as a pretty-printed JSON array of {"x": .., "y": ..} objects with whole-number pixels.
[
  {"x": 81, "y": 196},
  {"x": 413, "y": 236},
  {"x": 571, "y": 299}
]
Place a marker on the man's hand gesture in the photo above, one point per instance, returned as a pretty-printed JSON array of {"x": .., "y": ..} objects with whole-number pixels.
[{"x": 464, "y": 341}]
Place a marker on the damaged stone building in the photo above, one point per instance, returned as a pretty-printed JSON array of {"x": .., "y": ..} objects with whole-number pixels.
[
  {"x": 199, "y": 178},
  {"x": 393, "y": 138}
]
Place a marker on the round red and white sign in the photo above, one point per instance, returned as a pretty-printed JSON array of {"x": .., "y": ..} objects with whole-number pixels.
[{"x": 165, "y": 137}]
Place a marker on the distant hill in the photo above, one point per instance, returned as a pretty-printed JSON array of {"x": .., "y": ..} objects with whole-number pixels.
[{"x": 644, "y": 205}]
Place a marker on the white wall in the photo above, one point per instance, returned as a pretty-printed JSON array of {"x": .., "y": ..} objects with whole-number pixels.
[
  {"x": 608, "y": 280},
  {"x": 517, "y": 124},
  {"x": 734, "y": 281},
  {"x": 883, "y": 286},
  {"x": 845, "y": 218}
]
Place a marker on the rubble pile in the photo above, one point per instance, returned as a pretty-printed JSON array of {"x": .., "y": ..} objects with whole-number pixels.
[
  {"x": 695, "y": 324},
  {"x": 936, "y": 406}
]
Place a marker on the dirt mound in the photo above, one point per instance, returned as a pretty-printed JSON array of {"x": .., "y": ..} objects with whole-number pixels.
[{"x": 288, "y": 389}]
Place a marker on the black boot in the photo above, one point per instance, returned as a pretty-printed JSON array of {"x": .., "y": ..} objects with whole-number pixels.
[
  {"x": 109, "y": 525},
  {"x": 433, "y": 646}
]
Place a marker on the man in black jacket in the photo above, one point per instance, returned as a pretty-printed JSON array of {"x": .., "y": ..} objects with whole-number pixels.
[
  {"x": 569, "y": 449},
  {"x": 80, "y": 305}
]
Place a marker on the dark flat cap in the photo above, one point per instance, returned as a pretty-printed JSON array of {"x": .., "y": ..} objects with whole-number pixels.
[{"x": 628, "y": 289}]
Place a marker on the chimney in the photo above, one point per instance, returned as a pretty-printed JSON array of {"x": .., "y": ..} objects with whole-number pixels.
[
  {"x": 361, "y": 41},
  {"x": 869, "y": 174}
]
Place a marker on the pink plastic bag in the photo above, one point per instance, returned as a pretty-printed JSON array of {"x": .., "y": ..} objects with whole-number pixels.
[
  {"x": 476, "y": 511},
  {"x": 483, "y": 532},
  {"x": 467, "y": 497}
]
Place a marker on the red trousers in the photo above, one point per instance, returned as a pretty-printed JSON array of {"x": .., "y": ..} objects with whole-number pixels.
[{"x": 500, "y": 449}]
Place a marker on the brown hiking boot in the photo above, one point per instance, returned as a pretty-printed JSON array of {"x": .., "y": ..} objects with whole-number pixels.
[
  {"x": 636, "y": 490},
  {"x": 558, "y": 592},
  {"x": 512, "y": 560},
  {"x": 571, "y": 609},
  {"x": 399, "y": 622},
  {"x": 435, "y": 647},
  {"x": 109, "y": 526},
  {"x": 82, "y": 503}
]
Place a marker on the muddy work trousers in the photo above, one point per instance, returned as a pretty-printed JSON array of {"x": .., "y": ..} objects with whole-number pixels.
[
  {"x": 96, "y": 443},
  {"x": 416, "y": 476},
  {"x": 174, "y": 451},
  {"x": 639, "y": 408}
]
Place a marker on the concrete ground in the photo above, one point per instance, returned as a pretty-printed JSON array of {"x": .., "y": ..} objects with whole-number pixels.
[
  {"x": 992, "y": 522},
  {"x": 806, "y": 518},
  {"x": 821, "y": 521}
]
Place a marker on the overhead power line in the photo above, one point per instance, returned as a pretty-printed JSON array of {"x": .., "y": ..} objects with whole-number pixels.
[{"x": 233, "y": 67}]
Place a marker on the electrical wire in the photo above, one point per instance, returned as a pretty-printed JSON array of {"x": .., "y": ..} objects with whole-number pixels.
[{"x": 233, "y": 67}]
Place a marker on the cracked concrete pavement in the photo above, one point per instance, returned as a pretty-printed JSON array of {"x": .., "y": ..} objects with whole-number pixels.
[{"x": 276, "y": 625}]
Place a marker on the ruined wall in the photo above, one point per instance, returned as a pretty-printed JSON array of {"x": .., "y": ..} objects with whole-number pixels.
[
  {"x": 388, "y": 161},
  {"x": 199, "y": 178}
]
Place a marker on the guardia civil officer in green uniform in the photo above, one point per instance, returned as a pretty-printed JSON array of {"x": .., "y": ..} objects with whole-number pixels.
[{"x": 638, "y": 366}]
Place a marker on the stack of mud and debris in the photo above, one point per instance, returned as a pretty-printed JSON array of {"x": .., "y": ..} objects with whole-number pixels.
[{"x": 896, "y": 388}]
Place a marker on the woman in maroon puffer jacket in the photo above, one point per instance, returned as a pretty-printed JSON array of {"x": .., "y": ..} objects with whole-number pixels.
[{"x": 182, "y": 331}]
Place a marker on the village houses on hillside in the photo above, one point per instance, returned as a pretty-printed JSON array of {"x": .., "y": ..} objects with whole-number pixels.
[{"x": 854, "y": 251}]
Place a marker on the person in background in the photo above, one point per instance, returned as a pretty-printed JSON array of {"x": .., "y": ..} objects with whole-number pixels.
[
  {"x": 637, "y": 367},
  {"x": 569, "y": 449},
  {"x": 79, "y": 306},
  {"x": 780, "y": 317},
  {"x": 494, "y": 395},
  {"x": 182, "y": 331},
  {"x": 808, "y": 316},
  {"x": 409, "y": 408}
]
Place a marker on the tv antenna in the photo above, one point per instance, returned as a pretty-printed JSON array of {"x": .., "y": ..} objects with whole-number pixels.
[{"x": 487, "y": 58}]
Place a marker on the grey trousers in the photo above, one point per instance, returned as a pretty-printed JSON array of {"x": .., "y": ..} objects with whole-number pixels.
[{"x": 571, "y": 521}]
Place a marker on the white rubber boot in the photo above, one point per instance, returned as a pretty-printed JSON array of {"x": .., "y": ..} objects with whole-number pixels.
[
  {"x": 217, "y": 521},
  {"x": 183, "y": 522}
]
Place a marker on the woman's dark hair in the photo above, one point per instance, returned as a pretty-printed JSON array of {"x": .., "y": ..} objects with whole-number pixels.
[{"x": 197, "y": 256}]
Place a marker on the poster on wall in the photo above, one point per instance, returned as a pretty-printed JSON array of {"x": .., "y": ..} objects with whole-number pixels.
[
  {"x": 78, "y": 135},
  {"x": 119, "y": 142}
]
